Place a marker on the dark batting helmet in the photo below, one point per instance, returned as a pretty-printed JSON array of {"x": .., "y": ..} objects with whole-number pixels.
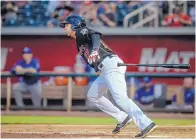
[{"x": 76, "y": 22}]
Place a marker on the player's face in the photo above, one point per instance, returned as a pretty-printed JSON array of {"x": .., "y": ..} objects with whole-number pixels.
[
  {"x": 188, "y": 83},
  {"x": 177, "y": 10},
  {"x": 68, "y": 29},
  {"x": 27, "y": 57},
  {"x": 147, "y": 85}
]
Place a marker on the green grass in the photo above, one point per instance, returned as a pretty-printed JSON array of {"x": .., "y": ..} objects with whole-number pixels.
[{"x": 81, "y": 120}]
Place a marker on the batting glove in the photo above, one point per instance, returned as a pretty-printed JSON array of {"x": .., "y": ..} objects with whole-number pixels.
[{"x": 93, "y": 57}]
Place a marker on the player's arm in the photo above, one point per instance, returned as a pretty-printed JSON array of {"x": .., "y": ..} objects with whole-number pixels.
[
  {"x": 186, "y": 20},
  {"x": 107, "y": 20},
  {"x": 30, "y": 70},
  {"x": 17, "y": 68},
  {"x": 96, "y": 41},
  {"x": 35, "y": 67},
  {"x": 167, "y": 20},
  {"x": 103, "y": 17},
  {"x": 21, "y": 70}
]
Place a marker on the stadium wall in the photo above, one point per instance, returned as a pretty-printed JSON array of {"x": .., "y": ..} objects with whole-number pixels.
[
  {"x": 61, "y": 51},
  {"x": 53, "y": 48}
]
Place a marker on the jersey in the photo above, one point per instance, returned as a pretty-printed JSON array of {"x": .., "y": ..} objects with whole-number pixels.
[
  {"x": 189, "y": 96},
  {"x": 145, "y": 97},
  {"x": 84, "y": 44},
  {"x": 29, "y": 80}
]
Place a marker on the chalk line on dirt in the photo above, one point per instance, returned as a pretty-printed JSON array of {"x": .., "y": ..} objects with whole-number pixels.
[{"x": 72, "y": 133}]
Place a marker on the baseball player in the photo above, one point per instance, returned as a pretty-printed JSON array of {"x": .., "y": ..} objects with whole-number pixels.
[
  {"x": 100, "y": 57},
  {"x": 145, "y": 94},
  {"x": 26, "y": 83}
]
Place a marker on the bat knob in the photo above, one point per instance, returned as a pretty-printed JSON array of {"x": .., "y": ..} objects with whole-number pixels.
[{"x": 119, "y": 64}]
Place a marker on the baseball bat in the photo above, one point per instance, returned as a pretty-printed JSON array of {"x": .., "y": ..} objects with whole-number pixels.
[{"x": 176, "y": 66}]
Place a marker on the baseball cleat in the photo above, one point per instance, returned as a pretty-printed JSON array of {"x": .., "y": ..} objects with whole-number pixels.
[
  {"x": 122, "y": 125},
  {"x": 146, "y": 131}
]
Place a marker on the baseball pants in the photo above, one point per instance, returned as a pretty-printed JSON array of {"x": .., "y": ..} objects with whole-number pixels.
[
  {"x": 20, "y": 88},
  {"x": 113, "y": 78}
]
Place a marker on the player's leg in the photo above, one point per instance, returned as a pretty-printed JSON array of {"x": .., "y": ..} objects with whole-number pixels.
[
  {"x": 115, "y": 81},
  {"x": 36, "y": 90},
  {"x": 18, "y": 90},
  {"x": 117, "y": 86},
  {"x": 95, "y": 95}
]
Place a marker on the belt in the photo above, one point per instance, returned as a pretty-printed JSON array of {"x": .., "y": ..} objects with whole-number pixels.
[
  {"x": 100, "y": 66},
  {"x": 110, "y": 56}
]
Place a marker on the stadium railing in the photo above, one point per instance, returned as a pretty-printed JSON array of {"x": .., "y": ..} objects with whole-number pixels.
[{"x": 8, "y": 76}]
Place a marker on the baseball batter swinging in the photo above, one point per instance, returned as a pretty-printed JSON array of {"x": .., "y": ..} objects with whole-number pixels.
[{"x": 100, "y": 57}]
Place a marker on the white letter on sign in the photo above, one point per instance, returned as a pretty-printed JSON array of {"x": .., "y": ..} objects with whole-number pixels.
[
  {"x": 147, "y": 57},
  {"x": 4, "y": 52},
  {"x": 186, "y": 57},
  {"x": 173, "y": 59}
]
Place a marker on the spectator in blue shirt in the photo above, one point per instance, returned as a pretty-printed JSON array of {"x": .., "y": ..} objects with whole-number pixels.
[
  {"x": 122, "y": 10},
  {"x": 145, "y": 94},
  {"x": 189, "y": 92},
  {"x": 27, "y": 83}
]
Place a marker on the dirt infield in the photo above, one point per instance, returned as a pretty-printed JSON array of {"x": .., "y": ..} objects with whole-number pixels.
[{"x": 85, "y": 131}]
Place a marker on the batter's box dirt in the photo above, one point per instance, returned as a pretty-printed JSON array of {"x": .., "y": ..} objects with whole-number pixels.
[{"x": 89, "y": 131}]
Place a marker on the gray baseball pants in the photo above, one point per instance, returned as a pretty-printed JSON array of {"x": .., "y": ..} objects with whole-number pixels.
[{"x": 35, "y": 89}]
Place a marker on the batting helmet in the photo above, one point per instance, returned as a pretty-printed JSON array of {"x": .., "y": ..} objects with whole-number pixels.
[{"x": 76, "y": 22}]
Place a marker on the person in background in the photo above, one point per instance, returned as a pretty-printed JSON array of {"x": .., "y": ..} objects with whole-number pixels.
[
  {"x": 60, "y": 13},
  {"x": 164, "y": 8},
  {"x": 32, "y": 84},
  {"x": 8, "y": 11},
  {"x": 177, "y": 19},
  {"x": 90, "y": 14},
  {"x": 189, "y": 92},
  {"x": 145, "y": 94},
  {"x": 134, "y": 5},
  {"x": 106, "y": 15},
  {"x": 191, "y": 11},
  {"x": 52, "y": 4},
  {"x": 122, "y": 9}
]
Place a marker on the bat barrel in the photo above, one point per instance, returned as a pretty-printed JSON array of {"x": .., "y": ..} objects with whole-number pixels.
[{"x": 178, "y": 66}]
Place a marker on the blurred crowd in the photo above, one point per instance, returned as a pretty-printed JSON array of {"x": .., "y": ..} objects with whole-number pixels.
[{"x": 96, "y": 13}]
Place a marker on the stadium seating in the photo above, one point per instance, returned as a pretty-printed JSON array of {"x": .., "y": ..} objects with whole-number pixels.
[{"x": 35, "y": 13}]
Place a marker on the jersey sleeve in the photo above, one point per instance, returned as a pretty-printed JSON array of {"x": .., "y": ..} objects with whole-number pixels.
[
  {"x": 186, "y": 17},
  {"x": 91, "y": 32},
  {"x": 36, "y": 65},
  {"x": 86, "y": 34},
  {"x": 168, "y": 19},
  {"x": 96, "y": 41},
  {"x": 19, "y": 63},
  {"x": 96, "y": 37}
]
